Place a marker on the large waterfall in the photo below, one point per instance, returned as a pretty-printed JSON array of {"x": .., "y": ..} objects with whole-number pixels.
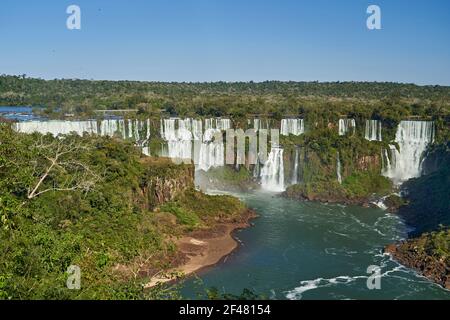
[
  {"x": 272, "y": 173},
  {"x": 292, "y": 126},
  {"x": 373, "y": 130},
  {"x": 177, "y": 133},
  {"x": 345, "y": 125},
  {"x": 134, "y": 129},
  {"x": 185, "y": 139},
  {"x": 261, "y": 124},
  {"x": 211, "y": 152},
  {"x": 413, "y": 138}
]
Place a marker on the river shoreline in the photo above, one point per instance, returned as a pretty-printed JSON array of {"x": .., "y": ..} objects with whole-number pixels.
[{"x": 204, "y": 248}]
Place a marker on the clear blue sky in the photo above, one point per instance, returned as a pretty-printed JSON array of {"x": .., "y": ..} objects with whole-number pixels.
[{"x": 230, "y": 40}]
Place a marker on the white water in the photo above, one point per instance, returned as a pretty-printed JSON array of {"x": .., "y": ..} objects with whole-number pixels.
[
  {"x": 217, "y": 123},
  {"x": 295, "y": 173},
  {"x": 211, "y": 152},
  {"x": 261, "y": 124},
  {"x": 185, "y": 139},
  {"x": 338, "y": 169},
  {"x": 413, "y": 138},
  {"x": 373, "y": 130},
  {"x": 345, "y": 125},
  {"x": 272, "y": 173},
  {"x": 178, "y": 136},
  {"x": 137, "y": 130},
  {"x": 292, "y": 126}
]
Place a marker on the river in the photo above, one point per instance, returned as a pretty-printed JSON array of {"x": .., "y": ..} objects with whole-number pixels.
[{"x": 306, "y": 250}]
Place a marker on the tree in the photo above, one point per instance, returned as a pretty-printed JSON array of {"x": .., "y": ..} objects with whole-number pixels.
[{"x": 56, "y": 167}]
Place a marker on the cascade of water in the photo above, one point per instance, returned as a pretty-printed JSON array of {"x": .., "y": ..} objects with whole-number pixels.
[
  {"x": 211, "y": 152},
  {"x": 386, "y": 161},
  {"x": 256, "y": 168},
  {"x": 292, "y": 126},
  {"x": 373, "y": 130},
  {"x": 197, "y": 130},
  {"x": 256, "y": 124},
  {"x": 338, "y": 169},
  {"x": 413, "y": 138},
  {"x": 272, "y": 173},
  {"x": 295, "y": 172},
  {"x": 345, "y": 125},
  {"x": 223, "y": 124},
  {"x": 179, "y": 140},
  {"x": 57, "y": 127},
  {"x": 217, "y": 123}
]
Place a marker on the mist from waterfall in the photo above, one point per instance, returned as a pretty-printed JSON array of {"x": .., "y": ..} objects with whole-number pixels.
[
  {"x": 345, "y": 125},
  {"x": 295, "y": 127},
  {"x": 413, "y": 138},
  {"x": 373, "y": 130},
  {"x": 272, "y": 173}
]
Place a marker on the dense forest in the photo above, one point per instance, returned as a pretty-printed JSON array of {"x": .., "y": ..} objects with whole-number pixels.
[
  {"x": 273, "y": 98},
  {"x": 94, "y": 202}
]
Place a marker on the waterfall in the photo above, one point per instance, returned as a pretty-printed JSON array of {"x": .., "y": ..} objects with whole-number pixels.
[
  {"x": 373, "y": 130},
  {"x": 386, "y": 161},
  {"x": 272, "y": 173},
  {"x": 57, "y": 127},
  {"x": 345, "y": 125},
  {"x": 211, "y": 153},
  {"x": 131, "y": 129},
  {"x": 217, "y": 123},
  {"x": 179, "y": 140},
  {"x": 256, "y": 124},
  {"x": 182, "y": 134},
  {"x": 338, "y": 169},
  {"x": 292, "y": 126},
  {"x": 413, "y": 138},
  {"x": 197, "y": 131},
  {"x": 295, "y": 172},
  {"x": 259, "y": 124},
  {"x": 256, "y": 169}
]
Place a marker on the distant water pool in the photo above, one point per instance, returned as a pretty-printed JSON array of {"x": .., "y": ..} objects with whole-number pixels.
[
  {"x": 305, "y": 250},
  {"x": 18, "y": 113}
]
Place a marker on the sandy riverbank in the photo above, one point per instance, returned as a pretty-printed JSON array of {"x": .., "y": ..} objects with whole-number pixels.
[{"x": 204, "y": 248}]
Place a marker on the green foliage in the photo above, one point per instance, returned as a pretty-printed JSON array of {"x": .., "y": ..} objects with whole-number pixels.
[
  {"x": 319, "y": 102},
  {"x": 184, "y": 216},
  {"x": 363, "y": 184}
]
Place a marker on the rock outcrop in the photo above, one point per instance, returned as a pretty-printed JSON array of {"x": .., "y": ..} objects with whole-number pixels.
[
  {"x": 163, "y": 181},
  {"x": 428, "y": 255}
]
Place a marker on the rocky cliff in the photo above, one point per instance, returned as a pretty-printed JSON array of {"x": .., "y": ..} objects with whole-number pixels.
[{"x": 163, "y": 181}]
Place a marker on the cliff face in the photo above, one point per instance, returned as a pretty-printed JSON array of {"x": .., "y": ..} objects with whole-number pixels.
[{"x": 163, "y": 181}]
